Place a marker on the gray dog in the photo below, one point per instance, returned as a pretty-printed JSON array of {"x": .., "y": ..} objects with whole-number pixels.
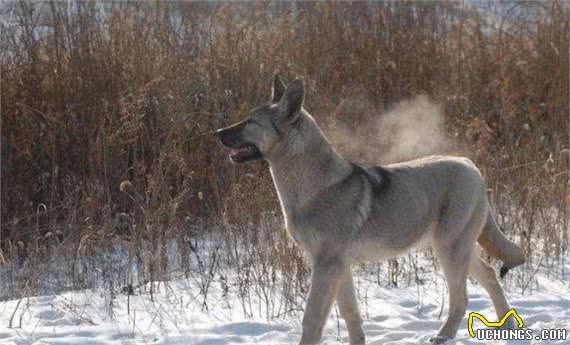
[{"x": 342, "y": 214}]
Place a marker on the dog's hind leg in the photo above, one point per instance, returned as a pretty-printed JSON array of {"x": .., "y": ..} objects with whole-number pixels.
[
  {"x": 348, "y": 306},
  {"x": 455, "y": 264},
  {"x": 454, "y": 242},
  {"x": 487, "y": 277}
]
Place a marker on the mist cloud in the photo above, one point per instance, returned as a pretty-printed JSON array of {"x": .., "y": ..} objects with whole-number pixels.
[{"x": 410, "y": 129}]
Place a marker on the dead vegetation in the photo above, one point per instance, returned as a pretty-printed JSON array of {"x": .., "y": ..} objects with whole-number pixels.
[{"x": 108, "y": 108}]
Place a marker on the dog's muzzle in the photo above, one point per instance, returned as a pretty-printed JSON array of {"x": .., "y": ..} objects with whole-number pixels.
[{"x": 240, "y": 151}]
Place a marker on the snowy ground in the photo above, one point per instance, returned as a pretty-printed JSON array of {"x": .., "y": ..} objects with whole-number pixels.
[{"x": 392, "y": 316}]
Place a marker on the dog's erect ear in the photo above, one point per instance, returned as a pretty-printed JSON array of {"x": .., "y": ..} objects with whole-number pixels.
[
  {"x": 293, "y": 99},
  {"x": 278, "y": 89}
]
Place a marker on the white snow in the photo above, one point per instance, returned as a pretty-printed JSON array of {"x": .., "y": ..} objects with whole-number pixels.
[{"x": 409, "y": 315}]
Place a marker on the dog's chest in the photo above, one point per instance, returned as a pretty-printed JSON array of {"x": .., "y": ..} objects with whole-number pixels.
[
  {"x": 306, "y": 237},
  {"x": 306, "y": 234}
]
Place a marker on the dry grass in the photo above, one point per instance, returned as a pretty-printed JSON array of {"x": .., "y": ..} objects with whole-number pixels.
[{"x": 107, "y": 112}]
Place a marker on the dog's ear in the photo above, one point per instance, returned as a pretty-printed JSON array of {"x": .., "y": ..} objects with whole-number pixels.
[
  {"x": 293, "y": 99},
  {"x": 278, "y": 89}
]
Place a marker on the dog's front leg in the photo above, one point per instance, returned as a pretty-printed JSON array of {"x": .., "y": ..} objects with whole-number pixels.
[
  {"x": 348, "y": 306},
  {"x": 324, "y": 287}
]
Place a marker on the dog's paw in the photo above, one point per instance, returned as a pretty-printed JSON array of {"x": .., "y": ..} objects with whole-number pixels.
[{"x": 438, "y": 340}]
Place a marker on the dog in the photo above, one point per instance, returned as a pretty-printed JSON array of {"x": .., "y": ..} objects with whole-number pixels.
[{"x": 342, "y": 213}]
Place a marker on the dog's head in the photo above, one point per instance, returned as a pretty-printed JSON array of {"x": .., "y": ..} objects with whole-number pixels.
[{"x": 265, "y": 127}]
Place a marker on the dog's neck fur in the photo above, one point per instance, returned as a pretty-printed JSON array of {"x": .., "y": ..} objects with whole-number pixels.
[{"x": 301, "y": 169}]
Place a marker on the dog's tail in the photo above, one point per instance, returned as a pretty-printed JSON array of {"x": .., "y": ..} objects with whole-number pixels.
[{"x": 498, "y": 246}]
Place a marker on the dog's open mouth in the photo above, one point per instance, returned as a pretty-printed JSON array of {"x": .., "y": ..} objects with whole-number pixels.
[{"x": 244, "y": 153}]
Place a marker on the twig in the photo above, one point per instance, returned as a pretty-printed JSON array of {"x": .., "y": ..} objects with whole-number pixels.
[
  {"x": 14, "y": 313},
  {"x": 532, "y": 275},
  {"x": 24, "y": 311}
]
